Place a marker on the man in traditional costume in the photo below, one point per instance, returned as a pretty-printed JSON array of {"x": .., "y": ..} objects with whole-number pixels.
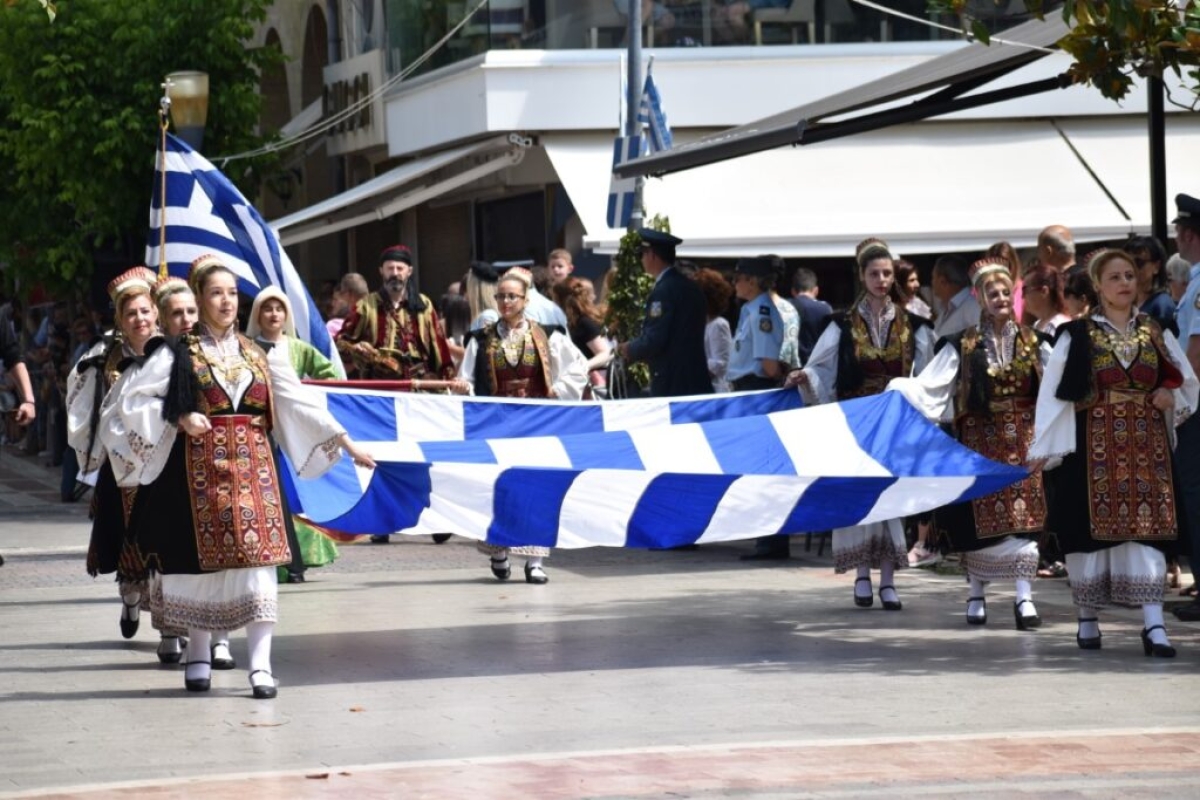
[{"x": 394, "y": 334}]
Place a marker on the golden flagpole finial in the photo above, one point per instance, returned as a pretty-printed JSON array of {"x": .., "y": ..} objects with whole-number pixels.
[{"x": 164, "y": 121}]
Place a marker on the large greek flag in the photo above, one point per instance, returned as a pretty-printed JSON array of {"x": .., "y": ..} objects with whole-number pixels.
[
  {"x": 679, "y": 472},
  {"x": 205, "y": 213}
]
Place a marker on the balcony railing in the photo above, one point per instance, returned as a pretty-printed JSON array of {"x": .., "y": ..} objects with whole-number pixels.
[{"x": 415, "y": 25}]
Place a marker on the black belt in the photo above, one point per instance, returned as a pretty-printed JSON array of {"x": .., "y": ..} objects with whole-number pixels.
[{"x": 748, "y": 383}]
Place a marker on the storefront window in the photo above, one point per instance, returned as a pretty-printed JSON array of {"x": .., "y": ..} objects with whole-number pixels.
[{"x": 415, "y": 26}]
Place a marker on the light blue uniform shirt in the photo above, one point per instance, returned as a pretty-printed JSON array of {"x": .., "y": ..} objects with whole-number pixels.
[
  {"x": 1188, "y": 317},
  {"x": 760, "y": 333}
]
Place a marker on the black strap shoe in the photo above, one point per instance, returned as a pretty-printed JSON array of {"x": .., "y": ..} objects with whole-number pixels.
[
  {"x": 197, "y": 684},
  {"x": 977, "y": 620},
  {"x": 130, "y": 618},
  {"x": 860, "y": 600},
  {"x": 1025, "y": 622},
  {"x": 1153, "y": 648},
  {"x": 263, "y": 691},
  {"x": 1091, "y": 642}
]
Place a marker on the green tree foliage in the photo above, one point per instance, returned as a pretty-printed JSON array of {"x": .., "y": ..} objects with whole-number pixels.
[
  {"x": 1113, "y": 42},
  {"x": 79, "y": 118},
  {"x": 626, "y": 298}
]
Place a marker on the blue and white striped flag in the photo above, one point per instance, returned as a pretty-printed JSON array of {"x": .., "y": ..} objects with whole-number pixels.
[
  {"x": 205, "y": 213},
  {"x": 622, "y": 191},
  {"x": 651, "y": 114},
  {"x": 681, "y": 472}
]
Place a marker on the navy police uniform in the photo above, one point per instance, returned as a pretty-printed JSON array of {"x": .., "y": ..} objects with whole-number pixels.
[{"x": 672, "y": 338}]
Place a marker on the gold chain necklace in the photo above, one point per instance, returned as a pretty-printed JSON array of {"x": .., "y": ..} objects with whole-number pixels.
[
  {"x": 228, "y": 359},
  {"x": 1124, "y": 345},
  {"x": 513, "y": 344}
]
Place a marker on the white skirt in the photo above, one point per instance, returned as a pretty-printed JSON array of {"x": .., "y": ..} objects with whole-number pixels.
[
  {"x": 220, "y": 601},
  {"x": 529, "y": 550},
  {"x": 869, "y": 546},
  {"x": 1130, "y": 574},
  {"x": 1010, "y": 558},
  {"x": 154, "y": 598}
]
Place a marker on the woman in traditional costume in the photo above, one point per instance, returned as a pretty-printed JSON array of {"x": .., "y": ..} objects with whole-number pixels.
[
  {"x": 213, "y": 524},
  {"x": 517, "y": 357},
  {"x": 985, "y": 380},
  {"x": 91, "y": 379},
  {"x": 858, "y": 353},
  {"x": 1114, "y": 389}
]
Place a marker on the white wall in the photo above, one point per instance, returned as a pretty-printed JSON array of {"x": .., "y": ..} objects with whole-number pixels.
[{"x": 579, "y": 90}]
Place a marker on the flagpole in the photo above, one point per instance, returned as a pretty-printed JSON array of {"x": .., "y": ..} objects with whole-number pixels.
[
  {"x": 164, "y": 120},
  {"x": 633, "y": 97}
]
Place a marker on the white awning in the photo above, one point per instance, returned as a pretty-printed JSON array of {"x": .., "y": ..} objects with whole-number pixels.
[
  {"x": 403, "y": 187},
  {"x": 925, "y": 188}
]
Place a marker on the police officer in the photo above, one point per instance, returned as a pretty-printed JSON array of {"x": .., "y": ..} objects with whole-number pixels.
[
  {"x": 755, "y": 361},
  {"x": 1187, "y": 452},
  {"x": 672, "y": 338}
]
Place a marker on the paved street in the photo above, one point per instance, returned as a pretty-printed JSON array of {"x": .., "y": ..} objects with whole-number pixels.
[{"x": 407, "y": 671}]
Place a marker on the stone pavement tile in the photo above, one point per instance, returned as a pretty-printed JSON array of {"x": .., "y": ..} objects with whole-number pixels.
[
  {"x": 1124, "y": 765},
  {"x": 411, "y": 662}
]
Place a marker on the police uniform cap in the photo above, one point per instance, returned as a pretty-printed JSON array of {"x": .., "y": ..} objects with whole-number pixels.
[
  {"x": 485, "y": 272},
  {"x": 1187, "y": 211},
  {"x": 758, "y": 267},
  {"x": 659, "y": 238}
]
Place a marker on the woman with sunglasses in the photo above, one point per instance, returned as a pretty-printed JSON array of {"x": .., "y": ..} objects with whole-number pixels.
[{"x": 516, "y": 357}]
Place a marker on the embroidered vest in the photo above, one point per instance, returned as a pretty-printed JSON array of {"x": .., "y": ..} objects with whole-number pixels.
[
  {"x": 213, "y": 399},
  {"x": 493, "y": 372}
]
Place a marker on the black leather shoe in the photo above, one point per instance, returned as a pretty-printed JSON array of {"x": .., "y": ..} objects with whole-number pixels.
[
  {"x": 1090, "y": 643},
  {"x": 197, "y": 684},
  {"x": 441, "y": 538},
  {"x": 1152, "y": 648},
  {"x": 501, "y": 569},
  {"x": 1189, "y": 612},
  {"x": 889, "y": 605},
  {"x": 130, "y": 618},
  {"x": 263, "y": 691},
  {"x": 1025, "y": 622},
  {"x": 535, "y": 575},
  {"x": 170, "y": 649},
  {"x": 380, "y": 539},
  {"x": 295, "y": 577},
  {"x": 977, "y": 620},
  {"x": 225, "y": 658},
  {"x": 860, "y": 601}
]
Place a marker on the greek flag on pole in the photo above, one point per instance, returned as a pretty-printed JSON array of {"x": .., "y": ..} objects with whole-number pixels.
[
  {"x": 650, "y": 114},
  {"x": 205, "y": 213},
  {"x": 621, "y": 191},
  {"x": 657, "y": 475}
]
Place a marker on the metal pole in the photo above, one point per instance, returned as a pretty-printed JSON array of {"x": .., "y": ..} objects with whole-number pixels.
[
  {"x": 633, "y": 98},
  {"x": 1158, "y": 158}
]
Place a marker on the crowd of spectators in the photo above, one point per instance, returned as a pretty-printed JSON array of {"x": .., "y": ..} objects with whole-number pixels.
[{"x": 52, "y": 336}]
